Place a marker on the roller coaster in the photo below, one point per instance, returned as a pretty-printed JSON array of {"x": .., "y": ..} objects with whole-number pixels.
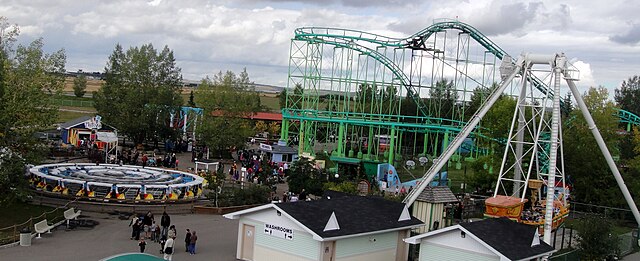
[{"x": 426, "y": 94}]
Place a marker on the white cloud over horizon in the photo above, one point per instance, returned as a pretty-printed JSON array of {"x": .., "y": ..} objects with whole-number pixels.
[{"x": 603, "y": 38}]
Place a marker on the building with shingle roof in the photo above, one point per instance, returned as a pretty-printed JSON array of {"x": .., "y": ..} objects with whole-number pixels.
[
  {"x": 490, "y": 239},
  {"x": 336, "y": 227},
  {"x": 430, "y": 207}
]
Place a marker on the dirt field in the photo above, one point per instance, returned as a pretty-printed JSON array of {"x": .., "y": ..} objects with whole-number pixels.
[{"x": 92, "y": 85}]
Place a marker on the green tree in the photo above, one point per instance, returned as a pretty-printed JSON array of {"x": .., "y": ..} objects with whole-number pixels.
[
  {"x": 191, "y": 102},
  {"x": 592, "y": 180},
  {"x": 304, "y": 175},
  {"x": 80, "y": 85},
  {"x": 628, "y": 95},
  {"x": 227, "y": 99},
  {"x": 498, "y": 119},
  {"x": 443, "y": 97},
  {"x": 595, "y": 238},
  {"x": 30, "y": 81},
  {"x": 292, "y": 100},
  {"x": 478, "y": 98},
  {"x": 567, "y": 107},
  {"x": 142, "y": 88},
  {"x": 282, "y": 98}
]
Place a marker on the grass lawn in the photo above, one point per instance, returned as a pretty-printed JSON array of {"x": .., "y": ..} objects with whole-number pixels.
[
  {"x": 64, "y": 116},
  {"x": 271, "y": 102},
  {"x": 20, "y": 212}
]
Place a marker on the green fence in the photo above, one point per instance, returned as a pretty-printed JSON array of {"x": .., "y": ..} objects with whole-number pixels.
[{"x": 74, "y": 103}]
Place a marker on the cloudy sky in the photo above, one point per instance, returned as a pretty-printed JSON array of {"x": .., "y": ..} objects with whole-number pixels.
[{"x": 601, "y": 37}]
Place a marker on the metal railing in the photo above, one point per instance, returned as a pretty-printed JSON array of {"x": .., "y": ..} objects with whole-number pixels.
[{"x": 11, "y": 234}]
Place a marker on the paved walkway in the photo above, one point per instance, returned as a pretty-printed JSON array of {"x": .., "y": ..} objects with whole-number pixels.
[{"x": 217, "y": 237}]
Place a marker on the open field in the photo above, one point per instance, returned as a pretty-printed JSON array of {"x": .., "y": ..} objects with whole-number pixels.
[{"x": 92, "y": 85}]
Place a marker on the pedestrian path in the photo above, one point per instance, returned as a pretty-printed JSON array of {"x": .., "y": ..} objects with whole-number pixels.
[{"x": 217, "y": 239}]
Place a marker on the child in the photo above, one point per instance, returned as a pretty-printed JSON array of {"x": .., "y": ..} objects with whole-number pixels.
[
  {"x": 142, "y": 245},
  {"x": 157, "y": 233},
  {"x": 154, "y": 227},
  {"x": 163, "y": 240}
]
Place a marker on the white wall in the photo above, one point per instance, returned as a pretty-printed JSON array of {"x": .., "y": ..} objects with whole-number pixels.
[
  {"x": 272, "y": 248},
  {"x": 429, "y": 252}
]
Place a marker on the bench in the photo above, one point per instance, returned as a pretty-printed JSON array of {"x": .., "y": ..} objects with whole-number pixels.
[
  {"x": 43, "y": 227},
  {"x": 70, "y": 214}
]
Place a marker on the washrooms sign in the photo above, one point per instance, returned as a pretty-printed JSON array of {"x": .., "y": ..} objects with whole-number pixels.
[{"x": 278, "y": 231}]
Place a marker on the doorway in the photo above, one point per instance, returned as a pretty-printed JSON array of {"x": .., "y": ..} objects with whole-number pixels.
[
  {"x": 329, "y": 251},
  {"x": 248, "y": 235}
]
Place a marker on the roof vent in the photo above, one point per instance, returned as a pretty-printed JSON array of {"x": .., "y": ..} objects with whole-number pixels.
[
  {"x": 405, "y": 214},
  {"x": 332, "y": 224},
  {"x": 536, "y": 239}
]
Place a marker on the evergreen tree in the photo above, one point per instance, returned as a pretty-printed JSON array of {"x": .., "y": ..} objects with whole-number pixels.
[
  {"x": 628, "y": 95},
  {"x": 191, "y": 103}
]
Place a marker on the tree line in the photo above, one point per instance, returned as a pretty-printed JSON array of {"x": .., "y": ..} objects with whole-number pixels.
[{"x": 142, "y": 88}]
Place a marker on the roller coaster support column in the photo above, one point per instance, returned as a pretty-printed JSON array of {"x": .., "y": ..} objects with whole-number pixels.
[
  {"x": 370, "y": 143},
  {"x": 426, "y": 144},
  {"x": 445, "y": 142},
  {"x": 435, "y": 145},
  {"x": 284, "y": 130},
  {"x": 604, "y": 149},
  {"x": 301, "y": 138},
  {"x": 340, "y": 140},
  {"x": 392, "y": 144}
]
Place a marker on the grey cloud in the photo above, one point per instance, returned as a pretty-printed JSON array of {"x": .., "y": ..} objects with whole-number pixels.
[
  {"x": 507, "y": 18},
  {"x": 631, "y": 37},
  {"x": 348, "y": 3}
]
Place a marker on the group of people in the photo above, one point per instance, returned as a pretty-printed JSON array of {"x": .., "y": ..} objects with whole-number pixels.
[
  {"x": 144, "y": 227},
  {"x": 255, "y": 164},
  {"x": 134, "y": 157},
  {"x": 293, "y": 197}
]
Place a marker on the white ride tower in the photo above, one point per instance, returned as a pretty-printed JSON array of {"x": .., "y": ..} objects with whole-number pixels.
[
  {"x": 533, "y": 155},
  {"x": 534, "y": 145}
]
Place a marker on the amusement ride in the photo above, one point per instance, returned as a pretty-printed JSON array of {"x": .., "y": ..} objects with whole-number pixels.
[{"x": 369, "y": 99}]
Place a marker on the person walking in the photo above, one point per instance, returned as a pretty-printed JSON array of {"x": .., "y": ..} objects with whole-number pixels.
[
  {"x": 147, "y": 221},
  {"x": 168, "y": 248},
  {"x": 165, "y": 222},
  {"x": 192, "y": 244},
  {"x": 133, "y": 224},
  {"x": 187, "y": 240},
  {"x": 142, "y": 245},
  {"x": 137, "y": 229}
]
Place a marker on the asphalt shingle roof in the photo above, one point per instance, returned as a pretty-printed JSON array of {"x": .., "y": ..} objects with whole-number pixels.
[
  {"x": 440, "y": 194},
  {"x": 75, "y": 122},
  {"x": 355, "y": 214},
  {"x": 510, "y": 238}
]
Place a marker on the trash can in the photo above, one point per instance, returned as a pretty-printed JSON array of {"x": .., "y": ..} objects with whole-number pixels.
[{"x": 25, "y": 237}]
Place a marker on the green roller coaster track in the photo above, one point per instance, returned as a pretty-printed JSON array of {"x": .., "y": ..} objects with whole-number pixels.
[{"x": 336, "y": 62}]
